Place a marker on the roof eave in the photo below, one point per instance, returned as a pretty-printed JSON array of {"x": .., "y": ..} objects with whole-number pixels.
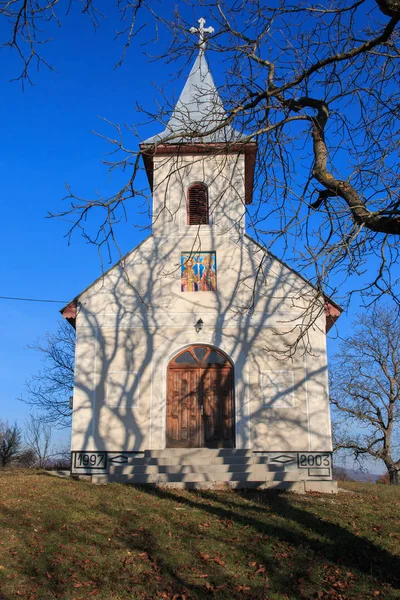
[
  {"x": 249, "y": 149},
  {"x": 70, "y": 312}
]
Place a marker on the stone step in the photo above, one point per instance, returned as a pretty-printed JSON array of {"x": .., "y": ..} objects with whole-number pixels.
[
  {"x": 195, "y": 456},
  {"x": 161, "y": 478},
  {"x": 195, "y": 452},
  {"x": 293, "y": 486},
  {"x": 156, "y": 477},
  {"x": 191, "y": 460},
  {"x": 262, "y": 460},
  {"x": 280, "y": 481},
  {"x": 218, "y": 468},
  {"x": 297, "y": 486},
  {"x": 213, "y": 471},
  {"x": 210, "y": 479}
]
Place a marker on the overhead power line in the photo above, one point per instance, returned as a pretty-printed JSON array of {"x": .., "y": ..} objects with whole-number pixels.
[{"x": 33, "y": 300}]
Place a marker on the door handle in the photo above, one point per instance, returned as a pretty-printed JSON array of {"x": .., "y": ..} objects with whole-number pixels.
[{"x": 202, "y": 409}]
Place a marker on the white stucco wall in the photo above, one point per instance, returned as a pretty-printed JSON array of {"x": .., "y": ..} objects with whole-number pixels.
[{"x": 133, "y": 321}]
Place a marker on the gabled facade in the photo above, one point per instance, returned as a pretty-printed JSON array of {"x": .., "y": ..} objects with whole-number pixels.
[{"x": 179, "y": 378}]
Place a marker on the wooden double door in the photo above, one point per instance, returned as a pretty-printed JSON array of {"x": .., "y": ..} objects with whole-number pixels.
[{"x": 200, "y": 400}]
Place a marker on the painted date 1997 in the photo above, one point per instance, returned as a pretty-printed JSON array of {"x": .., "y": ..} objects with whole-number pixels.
[
  {"x": 314, "y": 460},
  {"x": 90, "y": 460}
]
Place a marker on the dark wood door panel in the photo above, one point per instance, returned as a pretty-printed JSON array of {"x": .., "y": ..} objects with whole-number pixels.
[
  {"x": 211, "y": 408},
  {"x": 227, "y": 408},
  {"x": 183, "y": 409},
  {"x": 200, "y": 402},
  {"x": 218, "y": 408}
]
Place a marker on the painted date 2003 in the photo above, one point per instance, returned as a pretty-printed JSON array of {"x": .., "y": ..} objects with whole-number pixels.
[
  {"x": 314, "y": 460},
  {"x": 90, "y": 460}
]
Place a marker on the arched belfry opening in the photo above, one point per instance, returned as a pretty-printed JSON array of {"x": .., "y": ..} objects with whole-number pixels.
[
  {"x": 200, "y": 399},
  {"x": 197, "y": 204}
]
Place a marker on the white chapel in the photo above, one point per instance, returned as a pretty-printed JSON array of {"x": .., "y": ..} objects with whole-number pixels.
[{"x": 181, "y": 376}]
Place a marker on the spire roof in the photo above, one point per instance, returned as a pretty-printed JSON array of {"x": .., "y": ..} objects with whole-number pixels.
[{"x": 198, "y": 110}]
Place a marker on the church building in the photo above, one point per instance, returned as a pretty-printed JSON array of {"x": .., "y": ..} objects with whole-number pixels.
[{"x": 187, "y": 372}]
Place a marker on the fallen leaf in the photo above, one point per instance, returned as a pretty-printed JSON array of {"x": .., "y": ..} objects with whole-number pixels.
[
  {"x": 242, "y": 588},
  {"x": 204, "y": 556},
  {"x": 261, "y": 569}
]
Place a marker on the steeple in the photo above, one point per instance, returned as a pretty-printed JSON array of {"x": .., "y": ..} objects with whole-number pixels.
[
  {"x": 199, "y": 109},
  {"x": 196, "y": 126}
]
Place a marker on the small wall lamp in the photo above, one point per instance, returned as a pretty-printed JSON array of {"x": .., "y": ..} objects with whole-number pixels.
[{"x": 199, "y": 325}]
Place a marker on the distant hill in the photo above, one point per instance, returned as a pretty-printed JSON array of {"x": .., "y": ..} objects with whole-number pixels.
[{"x": 361, "y": 476}]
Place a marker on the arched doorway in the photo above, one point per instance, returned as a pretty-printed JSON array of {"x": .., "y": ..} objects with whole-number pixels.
[{"x": 200, "y": 399}]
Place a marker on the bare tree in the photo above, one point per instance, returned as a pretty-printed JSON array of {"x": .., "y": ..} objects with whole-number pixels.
[
  {"x": 27, "y": 459},
  {"x": 365, "y": 390},
  {"x": 61, "y": 458},
  {"x": 10, "y": 443},
  {"x": 38, "y": 438},
  {"x": 49, "y": 391},
  {"x": 316, "y": 86},
  {"x": 341, "y": 474}
]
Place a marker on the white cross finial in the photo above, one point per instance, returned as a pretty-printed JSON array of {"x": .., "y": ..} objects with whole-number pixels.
[{"x": 201, "y": 30}]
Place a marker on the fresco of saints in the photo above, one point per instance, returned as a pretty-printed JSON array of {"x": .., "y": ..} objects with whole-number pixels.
[
  {"x": 208, "y": 277},
  {"x": 189, "y": 279}
]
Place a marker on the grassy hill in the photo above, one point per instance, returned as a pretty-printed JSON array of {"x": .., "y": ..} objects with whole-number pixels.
[{"x": 71, "y": 540}]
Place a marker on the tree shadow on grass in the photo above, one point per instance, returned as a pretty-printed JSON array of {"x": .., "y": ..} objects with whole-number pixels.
[
  {"x": 335, "y": 543},
  {"x": 271, "y": 531},
  {"x": 173, "y": 561},
  {"x": 323, "y": 540},
  {"x": 144, "y": 563}
]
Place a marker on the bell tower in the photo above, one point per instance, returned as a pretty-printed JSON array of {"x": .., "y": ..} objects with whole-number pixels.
[{"x": 200, "y": 169}]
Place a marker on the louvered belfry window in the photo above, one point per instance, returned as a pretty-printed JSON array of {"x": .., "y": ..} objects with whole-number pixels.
[{"x": 197, "y": 204}]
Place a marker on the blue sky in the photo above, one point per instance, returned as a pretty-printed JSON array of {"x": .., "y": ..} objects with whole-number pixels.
[{"x": 46, "y": 142}]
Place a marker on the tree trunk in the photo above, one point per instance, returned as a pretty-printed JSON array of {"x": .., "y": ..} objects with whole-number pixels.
[{"x": 394, "y": 474}]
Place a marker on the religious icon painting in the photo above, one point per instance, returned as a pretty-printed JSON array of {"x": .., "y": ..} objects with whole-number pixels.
[{"x": 198, "y": 272}]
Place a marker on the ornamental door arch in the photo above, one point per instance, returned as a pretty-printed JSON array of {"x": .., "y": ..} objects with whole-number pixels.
[{"x": 200, "y": 399}]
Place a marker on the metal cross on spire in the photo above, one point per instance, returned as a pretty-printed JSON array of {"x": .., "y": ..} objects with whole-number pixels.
[{"x": 201, "y": 30}]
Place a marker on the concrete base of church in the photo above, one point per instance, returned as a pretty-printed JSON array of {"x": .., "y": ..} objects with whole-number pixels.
[
  {"x": 299, "y": 487},
  {"x": 202, "y": 468}
]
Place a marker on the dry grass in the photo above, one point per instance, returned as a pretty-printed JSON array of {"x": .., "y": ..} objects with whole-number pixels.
[{"x": 68, "y": 539}]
